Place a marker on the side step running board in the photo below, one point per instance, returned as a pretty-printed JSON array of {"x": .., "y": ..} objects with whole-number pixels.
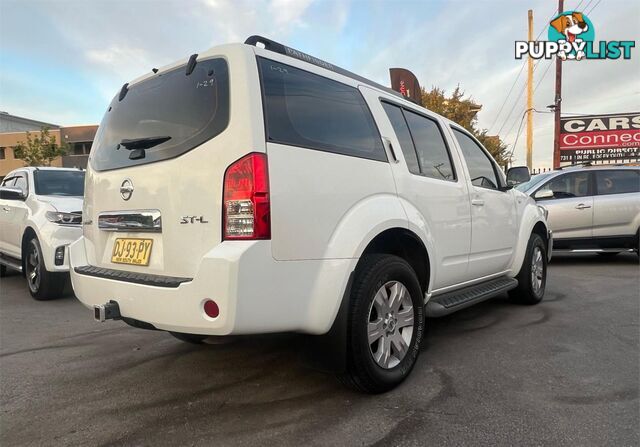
[
  {"x": 450, "y": 302},
  {"x": 10, "y": 262}
]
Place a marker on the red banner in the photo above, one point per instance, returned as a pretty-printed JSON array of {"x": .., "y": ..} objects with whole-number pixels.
[{"x": 601, "y": 139}]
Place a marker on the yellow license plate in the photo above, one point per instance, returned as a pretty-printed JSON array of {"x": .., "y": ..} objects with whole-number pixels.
[{"x": 131, "y": 251}]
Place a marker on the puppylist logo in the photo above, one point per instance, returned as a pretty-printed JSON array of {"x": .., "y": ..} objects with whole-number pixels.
[{"x": 572, "y": 37}]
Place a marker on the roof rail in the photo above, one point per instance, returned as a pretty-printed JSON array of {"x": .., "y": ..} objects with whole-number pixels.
[
  {"x": 575, "y": 165},
  {"x": 276, "y": 47}
]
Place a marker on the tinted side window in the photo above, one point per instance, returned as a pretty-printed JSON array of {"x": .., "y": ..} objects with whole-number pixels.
[
  {"x": 404, "y": 137},
  {"x": 21, "y": 182},
  {"x": 617, "y": 182},
  {"x": 569, "y": 185},
  {"x": 8, "y": 181},
  {"x": 433, "y": 155},
  {"x": 481, "y": 169},
  {"x": 311, "y": 111}
]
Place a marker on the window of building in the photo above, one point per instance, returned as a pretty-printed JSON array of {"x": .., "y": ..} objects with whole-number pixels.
[
  {"x": 310, "y": 111},
  {"x": 79, "y": 148},
  {"x": 2, "y": 153}
]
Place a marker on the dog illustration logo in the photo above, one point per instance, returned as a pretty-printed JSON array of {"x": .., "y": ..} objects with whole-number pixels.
[
  {"x": 571, "y": 36},
  {"x": 571, "y": 26}
]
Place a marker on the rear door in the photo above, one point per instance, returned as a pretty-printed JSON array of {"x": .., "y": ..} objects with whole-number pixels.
[
  {"x": 493, "y": 212},
  {"x": 616, "y": 204},
  {"x": 325, "y": 157},
  {"x": 571, "y": 206},
  {"x": 156, "y": 168},
  {"x": 430, "y": 181}
]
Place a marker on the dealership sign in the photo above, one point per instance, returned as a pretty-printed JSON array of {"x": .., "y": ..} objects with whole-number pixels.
[{"x": 598, "y": 138}]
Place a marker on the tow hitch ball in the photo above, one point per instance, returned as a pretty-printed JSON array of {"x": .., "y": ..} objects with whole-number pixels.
[{"x": 107, "y": 311}]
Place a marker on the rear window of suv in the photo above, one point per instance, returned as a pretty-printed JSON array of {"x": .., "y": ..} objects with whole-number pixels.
[
  {"x": 310, "y": 111},
  {"x": 190, "y": 109}
]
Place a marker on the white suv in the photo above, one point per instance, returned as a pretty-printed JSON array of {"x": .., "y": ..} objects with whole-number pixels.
[
  {"x": 40, "y": 215},
  {"x": 255, "y": 189}
]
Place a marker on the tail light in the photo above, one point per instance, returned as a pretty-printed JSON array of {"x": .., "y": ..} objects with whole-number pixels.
[{"x": 246, "y": 207}]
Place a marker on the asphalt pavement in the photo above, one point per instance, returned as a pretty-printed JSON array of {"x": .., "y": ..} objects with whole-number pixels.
[{"x": 565, "y": 372}]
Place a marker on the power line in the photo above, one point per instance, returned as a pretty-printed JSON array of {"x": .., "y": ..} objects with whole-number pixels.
[{"x": 594, "y": 7}]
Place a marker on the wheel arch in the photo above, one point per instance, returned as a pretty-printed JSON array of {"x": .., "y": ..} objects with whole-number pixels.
[{"x": 29, "y": 233}]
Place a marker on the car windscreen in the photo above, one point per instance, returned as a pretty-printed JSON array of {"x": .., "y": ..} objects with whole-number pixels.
[
  {"x": 524, "y": 187},
  {"x": 163, "y": 116},
  {"x": 59, "y": 183}
]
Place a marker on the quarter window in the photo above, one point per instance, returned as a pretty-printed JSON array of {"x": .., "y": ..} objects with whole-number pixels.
[
  {"x": 617, "y": 182},
  {"x": 431, "y": 148},
  {"x": 404, "y": 137},
  {"x": 311, "y": 111},
  {"x": 21, "y": 182},
  {"x": 568, "y": 185},
  {"x": 481, "y": 168}
]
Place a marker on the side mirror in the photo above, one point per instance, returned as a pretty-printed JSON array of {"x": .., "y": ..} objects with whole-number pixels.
[
  {"x": 12, "y": 193},
  {"x": 543, "y": 194},
  {"x": 517, "y": 175}
]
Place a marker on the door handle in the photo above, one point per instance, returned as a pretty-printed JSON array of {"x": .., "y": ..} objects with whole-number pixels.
[
  {"x": 477, "y": 202},
  {"x": 5, "y": 209},
  {"x": 582, "y": 206}
]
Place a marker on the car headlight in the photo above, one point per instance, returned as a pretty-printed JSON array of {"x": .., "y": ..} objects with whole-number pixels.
[
  {"x": 544, "y": 211},
  {"x": 64, "y": 218}
]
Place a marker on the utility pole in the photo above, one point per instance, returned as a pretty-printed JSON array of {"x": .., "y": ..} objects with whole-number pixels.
[
  {"x": 530, "y": 99},
  {"x": 558, "y": 103}
]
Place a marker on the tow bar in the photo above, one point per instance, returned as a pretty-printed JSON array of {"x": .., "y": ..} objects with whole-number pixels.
[{"x": 107, "y": 311}]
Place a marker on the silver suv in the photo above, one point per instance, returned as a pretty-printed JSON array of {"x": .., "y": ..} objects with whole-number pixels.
[{"x": 594, "y": 208}]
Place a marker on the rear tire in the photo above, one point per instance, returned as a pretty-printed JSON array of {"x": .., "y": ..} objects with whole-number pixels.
[
  {"x": 195, "y": 339},
  {"x": 385, "y": 326},
  {"x": 43, "y": 285},
  {"x": 532, "y": 278}
]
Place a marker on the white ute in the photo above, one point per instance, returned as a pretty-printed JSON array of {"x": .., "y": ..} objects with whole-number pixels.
[
  {"x": 40, "y": 215},
  {"x": 254, "y": 188}
]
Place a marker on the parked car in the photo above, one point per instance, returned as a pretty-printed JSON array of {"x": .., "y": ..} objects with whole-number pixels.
[
  {"x": 305, "y": 199},
  {"x": 591, "y": 209},
  {"x": 41, "y": 214}
]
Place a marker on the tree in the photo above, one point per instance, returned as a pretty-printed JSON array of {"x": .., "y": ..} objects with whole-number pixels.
[
  {"x": 39, "y": 150},
  {"x": 464, "y": 112}
]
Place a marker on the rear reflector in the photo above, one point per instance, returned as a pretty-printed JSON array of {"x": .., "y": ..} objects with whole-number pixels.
[
  {"x": 211, "y": 309},
  {"x": 246, "y": 207}
]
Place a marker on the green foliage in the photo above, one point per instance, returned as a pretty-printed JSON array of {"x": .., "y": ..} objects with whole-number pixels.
[
  {"x": 464, "y": 112},
  {"x": 39, "y": 149}
]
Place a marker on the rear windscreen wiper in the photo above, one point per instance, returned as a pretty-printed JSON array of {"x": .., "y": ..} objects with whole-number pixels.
[{"x": 142, "y": 143}]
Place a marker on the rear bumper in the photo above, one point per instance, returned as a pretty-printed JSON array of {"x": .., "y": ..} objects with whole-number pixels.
[{"x": 254, "y": 292}]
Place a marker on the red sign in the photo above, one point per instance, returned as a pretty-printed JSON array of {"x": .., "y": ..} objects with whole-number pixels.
[{"x": 596, "y": 138}]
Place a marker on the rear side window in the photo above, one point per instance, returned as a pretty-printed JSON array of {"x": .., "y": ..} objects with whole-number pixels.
[
  {"x": 190, "y": 109},
  {"x": 481, "y": 169},
  {"x": 617, "y": 182},
  {"x": 433, "y": 155},
  {"x": 404, "y": 137},
  {"x": 311, "y": 111}
]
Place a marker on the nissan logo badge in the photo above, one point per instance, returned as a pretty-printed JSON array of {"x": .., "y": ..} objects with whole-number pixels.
[{"x": 126, "y": 189}]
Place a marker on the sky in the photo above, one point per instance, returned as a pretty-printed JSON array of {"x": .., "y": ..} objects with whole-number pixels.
[{"x": 62, "y": 61}]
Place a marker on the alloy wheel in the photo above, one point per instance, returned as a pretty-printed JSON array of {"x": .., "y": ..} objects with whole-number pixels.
[{"x": 391, "y": 322}]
